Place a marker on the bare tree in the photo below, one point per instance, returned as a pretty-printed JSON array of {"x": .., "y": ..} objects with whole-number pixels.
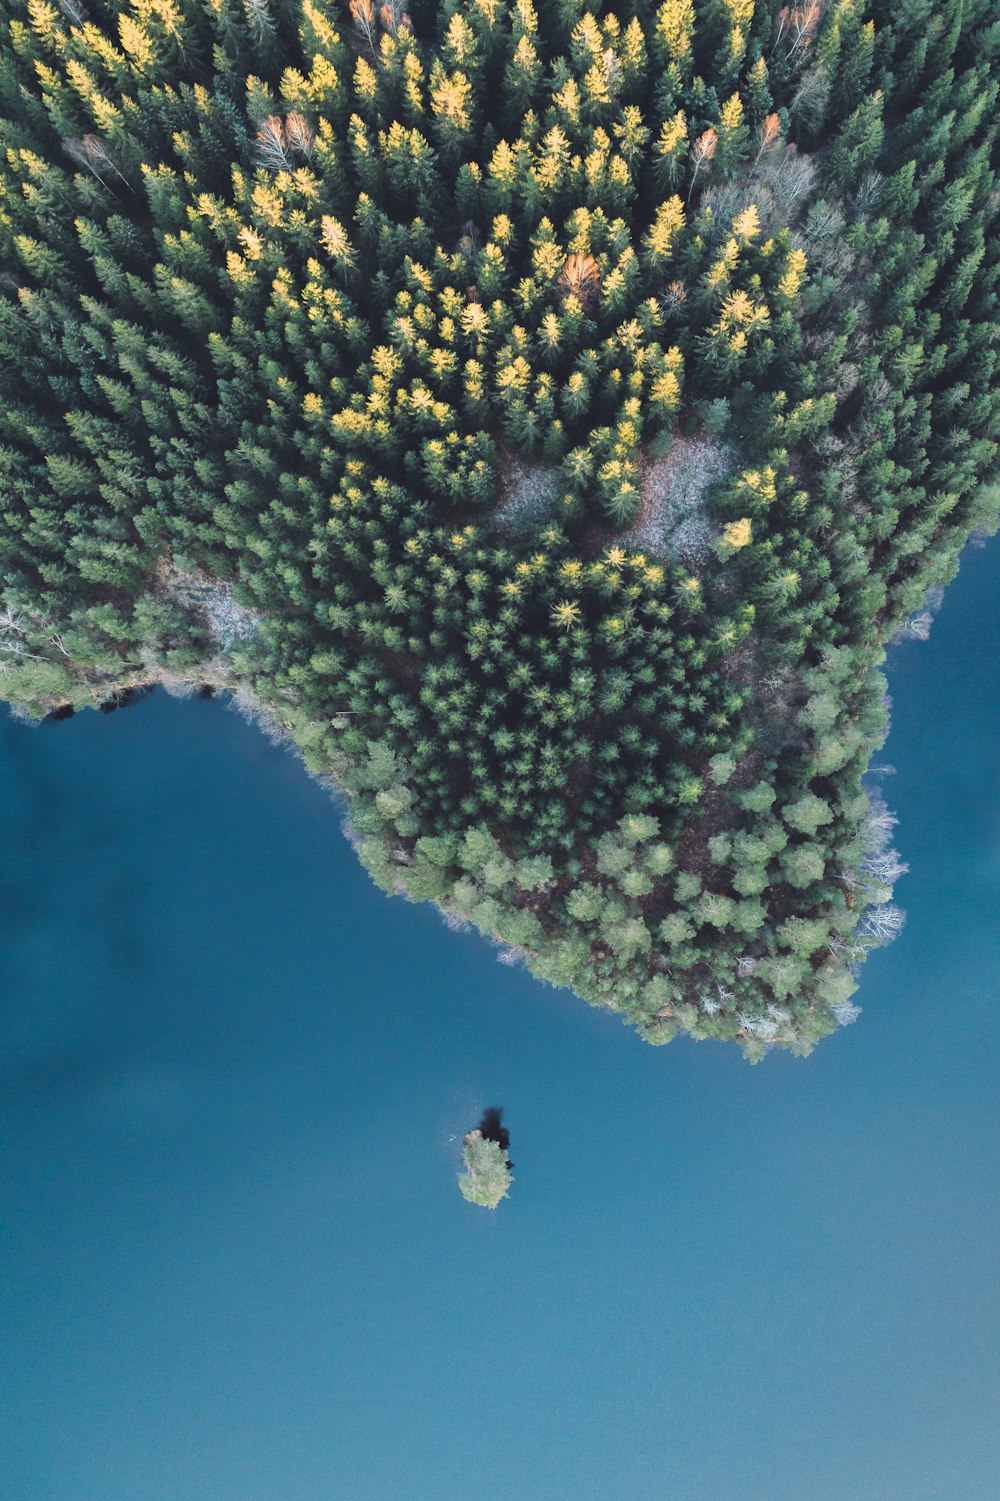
[
  {"x": 299, "y": 135},
  {"x": 754, "y": 1024},
  {"x": 770, "y": 132},
  {"x": 11, "y": 621},
  {"x": 792, "y": 180},
  {"x": 13, "y": 632},
  {"x": 878, "y": 823},
  {"x": 868, "y": 193},
  {"x": 848, "y": 948},
  {"x": 282, "y": 143},
  {"x": 90, "y": 151},
  {"x": 271, "y": 147},
  {"x": 883, "y": 923},
  {"x": 393, "y": 16},
  {"x": 885, "y": 867},
  {"x": 797, "y": 25},
  {"x": 580, "y": 277},
  {"x": 701, "y": 154},
  {"x": 366, "y": 25}
]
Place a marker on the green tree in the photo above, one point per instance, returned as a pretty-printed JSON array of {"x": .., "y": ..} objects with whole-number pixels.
[{"x": 487, "y": 1177}]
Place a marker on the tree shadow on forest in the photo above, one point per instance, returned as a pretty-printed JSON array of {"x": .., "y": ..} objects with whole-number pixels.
[{"x": 491, "y": 1127}]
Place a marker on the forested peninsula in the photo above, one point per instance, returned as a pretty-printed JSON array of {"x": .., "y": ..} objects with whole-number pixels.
[{"x": 545, "y": 413}]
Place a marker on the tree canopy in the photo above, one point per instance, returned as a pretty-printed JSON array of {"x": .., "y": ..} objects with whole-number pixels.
[
  {"x": 487, "y": 1177},
  {"x": 546, "y": 412}
]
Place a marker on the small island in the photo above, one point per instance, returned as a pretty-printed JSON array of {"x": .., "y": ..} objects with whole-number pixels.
[{"x": 487, "y": 1177}]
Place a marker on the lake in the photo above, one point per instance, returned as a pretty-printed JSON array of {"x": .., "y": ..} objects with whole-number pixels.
[{"x": 236, "y": 1265}]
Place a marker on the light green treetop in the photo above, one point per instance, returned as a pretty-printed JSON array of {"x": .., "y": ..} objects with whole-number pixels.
[{"x": 487, "y": 1177}]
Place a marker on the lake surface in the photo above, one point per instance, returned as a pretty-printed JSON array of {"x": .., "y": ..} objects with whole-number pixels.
[{"x": 236, "y": 1265}]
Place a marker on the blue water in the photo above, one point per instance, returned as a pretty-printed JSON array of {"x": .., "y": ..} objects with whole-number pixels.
[{"x": 236, "y": 1265}]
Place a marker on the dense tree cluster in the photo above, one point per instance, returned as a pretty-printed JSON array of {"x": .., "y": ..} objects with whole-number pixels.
[
  {"x": 487, "y": 1177},
  {"x": 577, "y": 398}
]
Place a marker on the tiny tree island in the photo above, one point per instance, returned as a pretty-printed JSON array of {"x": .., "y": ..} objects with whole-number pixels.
[
  {"x": 487, "y": 1177},
  {"x": 544, "y": 412}
]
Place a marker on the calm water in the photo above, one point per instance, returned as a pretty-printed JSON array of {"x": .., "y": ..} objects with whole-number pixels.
[{"x": 236, "y": 1264}]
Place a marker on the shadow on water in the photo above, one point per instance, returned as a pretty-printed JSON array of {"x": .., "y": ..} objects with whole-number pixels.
[
  {"x": 492, "y": 1128},
  {"x": 124, "y": 700}
]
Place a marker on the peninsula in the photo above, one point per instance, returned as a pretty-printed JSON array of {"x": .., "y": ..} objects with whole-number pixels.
[{"x": 544, "y": 413}]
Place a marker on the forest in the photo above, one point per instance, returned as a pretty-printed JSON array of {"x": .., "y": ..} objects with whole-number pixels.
[{"x": 544, "y": 414}]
